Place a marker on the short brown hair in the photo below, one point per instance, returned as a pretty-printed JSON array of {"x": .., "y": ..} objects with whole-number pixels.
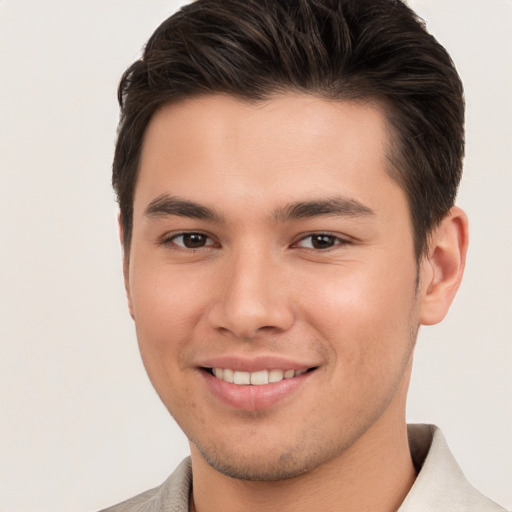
[{"x": 336, "y": 49}]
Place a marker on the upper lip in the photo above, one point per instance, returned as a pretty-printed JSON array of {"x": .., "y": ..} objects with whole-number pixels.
[{"x": 255, "y": 363}]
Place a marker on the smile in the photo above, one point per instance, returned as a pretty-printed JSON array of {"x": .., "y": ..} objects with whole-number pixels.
[
  {"x": 255, "y": 390},
  {"x": 258, "y": 378}
]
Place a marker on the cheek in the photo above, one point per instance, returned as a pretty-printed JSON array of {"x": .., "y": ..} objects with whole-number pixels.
[
  {"x": 167, "y": 307},
  {"x": 365, "y": 314}
]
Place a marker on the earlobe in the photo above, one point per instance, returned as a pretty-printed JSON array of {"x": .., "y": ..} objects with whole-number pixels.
[
  {"x": 443, "y": 267},
  {"x": 126, "y": 266}
]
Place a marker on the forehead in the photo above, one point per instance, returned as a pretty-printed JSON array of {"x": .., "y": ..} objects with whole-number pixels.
[{"x": 285, "y": 148}]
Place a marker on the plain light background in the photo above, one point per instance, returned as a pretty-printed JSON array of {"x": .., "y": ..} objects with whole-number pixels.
[{"x": 80, "y": 426}]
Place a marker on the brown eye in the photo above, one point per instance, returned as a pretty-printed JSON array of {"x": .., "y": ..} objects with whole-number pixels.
[
  {"x": 319, "y": 241},
  {"x": 322, "y": 241},
  {"x": 191, "y": 240}
]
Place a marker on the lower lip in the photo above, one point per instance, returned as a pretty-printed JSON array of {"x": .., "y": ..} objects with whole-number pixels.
[{"x": 251, "y": 397}]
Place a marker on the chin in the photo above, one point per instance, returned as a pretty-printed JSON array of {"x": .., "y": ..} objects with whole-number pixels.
[{"x": 266, "y": 466}]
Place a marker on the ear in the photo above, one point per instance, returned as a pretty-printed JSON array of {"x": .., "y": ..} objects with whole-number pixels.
[
  {"x": 443, "y": 267},
  {"x": 126, "y": 266}
]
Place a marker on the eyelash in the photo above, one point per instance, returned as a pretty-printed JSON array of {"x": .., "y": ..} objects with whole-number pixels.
[
  {"x": 336, "y": 241},
  {"x": 170, "y": 240}
]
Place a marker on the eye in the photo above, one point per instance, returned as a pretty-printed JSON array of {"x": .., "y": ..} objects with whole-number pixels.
[
  {"x": 320, "y": 241},
  {"x": 190, "y": 240}
]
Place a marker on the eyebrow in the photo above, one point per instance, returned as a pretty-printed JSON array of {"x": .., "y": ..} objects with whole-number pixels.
[
  {"x": 334, "y": 206},
  {"x": 166, "y": 205}
]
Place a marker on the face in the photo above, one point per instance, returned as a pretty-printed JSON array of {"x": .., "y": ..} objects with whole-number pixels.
[{"x": 272, "y": 279}]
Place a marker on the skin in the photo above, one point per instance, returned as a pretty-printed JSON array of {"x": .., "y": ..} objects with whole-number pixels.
[{"x": 257, "y": 283}]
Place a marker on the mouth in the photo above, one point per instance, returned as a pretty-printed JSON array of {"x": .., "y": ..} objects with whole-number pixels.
[
  {"x": 256, "y": 383},
  {"x": 257, "y": 378}
]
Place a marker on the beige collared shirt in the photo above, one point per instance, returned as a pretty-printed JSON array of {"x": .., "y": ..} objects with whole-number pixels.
[{"x": 439, "y": 487}]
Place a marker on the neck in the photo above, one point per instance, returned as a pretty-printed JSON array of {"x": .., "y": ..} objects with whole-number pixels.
[{"x": 375, "y": 475}]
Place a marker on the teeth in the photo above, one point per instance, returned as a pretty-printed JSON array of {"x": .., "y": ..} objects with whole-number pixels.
[
  {"x": 242, "y": 378},
  {"x": 227, "y": 375},
  {"x": 275, "y": 375},
  {"x": 255, "y": 378},
  {"x": 259, "y": 378}
]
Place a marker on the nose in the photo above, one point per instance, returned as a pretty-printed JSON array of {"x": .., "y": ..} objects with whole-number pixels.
[{"x": 252, "y": 299}]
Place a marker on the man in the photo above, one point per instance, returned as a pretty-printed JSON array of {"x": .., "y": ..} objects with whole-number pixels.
[{"x": 286, "y": 173}]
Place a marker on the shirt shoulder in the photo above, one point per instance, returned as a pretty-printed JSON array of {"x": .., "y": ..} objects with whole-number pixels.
[
  {"x": 440, "y": 485},
  {"x": 171, "y": 496}
]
